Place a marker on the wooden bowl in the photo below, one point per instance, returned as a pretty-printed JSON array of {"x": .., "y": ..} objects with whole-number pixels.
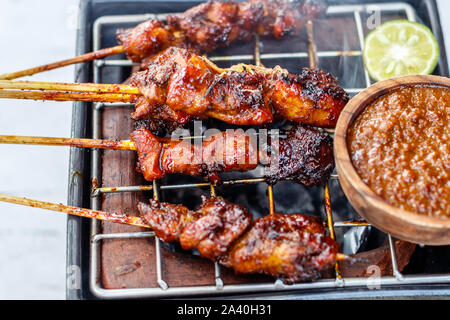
[{"x": 399, "y": 223}]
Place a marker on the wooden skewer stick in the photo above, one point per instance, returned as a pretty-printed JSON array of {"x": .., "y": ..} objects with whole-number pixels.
[
  {"x": 271, "y": 199},
  {"x": 92, "y": 92},
  {"x": 352, "y": 260},
  {"x": 73, "y": 87},
  {"x": 341, "y": 257},
  {"x": 68, "y": 96},
  {"x": 72, "y": 142},
  {"x": 312, "y": 49},
  {"x": 86, "y": 213},
  {"x": 82, "y": 58}
]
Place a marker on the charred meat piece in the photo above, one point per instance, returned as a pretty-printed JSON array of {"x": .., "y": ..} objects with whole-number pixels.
[
  {"x": 222, "y": 222},
  {"x": 293, "y": 247},
  {"x": 312, "y": 97},
  {"x": 211, "y": 229},
  {"x": 189, "y": 84},
  {"x": 167, "y": 220},
  {"x": 217, "y": 24},
  {"x": 148, "y": 38},
  {"x": 221, "y": 152},
  {"x": 239, "y": 98},
  {"x": 158, "y": 127},
  {"x": 283, "y": 17},
  {"x": 149, "y": 149},
  {"x": 306, "y": 156},
  {"x": 147, "y": 111}
]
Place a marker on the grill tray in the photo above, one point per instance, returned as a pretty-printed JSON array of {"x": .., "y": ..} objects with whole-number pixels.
[{"x": 425, "y": 260}]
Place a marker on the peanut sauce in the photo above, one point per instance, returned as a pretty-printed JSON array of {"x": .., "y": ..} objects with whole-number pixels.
[{"x": 399, "y": 146}]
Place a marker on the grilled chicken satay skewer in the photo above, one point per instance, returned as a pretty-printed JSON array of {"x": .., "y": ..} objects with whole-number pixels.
[
  {"x": 92, "y": 214},
  {"x": 305, "y": 155},
  {"x": 221, "y": 152},
  {"x": 178, "y": 86},
  {"x": 222, "y": 231},
  {"x": 297, "y": 248},
  {"x": 202, "y": 28}
]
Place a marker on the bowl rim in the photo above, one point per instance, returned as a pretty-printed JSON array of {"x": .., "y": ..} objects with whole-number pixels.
[{"x": 352, "y": 110}]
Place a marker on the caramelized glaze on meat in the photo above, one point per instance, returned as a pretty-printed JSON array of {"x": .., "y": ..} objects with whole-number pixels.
[
  {"x": 149, "y": 38},
  {"x": 167, "y": 220},
  {"x": 293, "y": 247},
  {"x": 312, "y": 97},
  {"x": 217, "y": 24},
  {"x": 221, "y": 152},
  {"x": 211, "y": 229},
  {"x": 306, "y": 156},
  {"x": 222, "y": 222},
  {"x": 191, "y": 85},
  {"x": 188, "y": 84},
  {"x": 158, "y": 127}
]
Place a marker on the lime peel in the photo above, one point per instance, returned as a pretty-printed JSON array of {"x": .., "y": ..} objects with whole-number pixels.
[{"x": 400, "y": 48}]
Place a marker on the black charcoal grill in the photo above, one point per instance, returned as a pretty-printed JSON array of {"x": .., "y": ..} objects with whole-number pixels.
[{"x": 338, "y": 50}]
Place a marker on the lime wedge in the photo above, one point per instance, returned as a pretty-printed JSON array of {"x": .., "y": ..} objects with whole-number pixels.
[{"x": 399, "y": 48}]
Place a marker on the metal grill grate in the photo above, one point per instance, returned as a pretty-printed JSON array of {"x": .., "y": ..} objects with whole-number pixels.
[{"x": 220, "y": 288}]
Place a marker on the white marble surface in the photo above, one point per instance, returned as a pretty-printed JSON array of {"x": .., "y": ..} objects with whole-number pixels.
[{"x": 32, "y": 241}]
